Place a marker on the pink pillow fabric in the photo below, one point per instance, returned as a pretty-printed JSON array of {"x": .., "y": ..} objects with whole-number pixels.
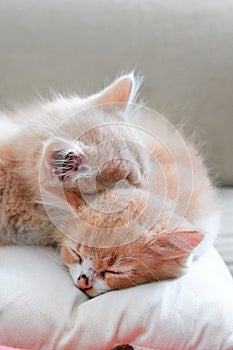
[{"x": 7, "y": 348}]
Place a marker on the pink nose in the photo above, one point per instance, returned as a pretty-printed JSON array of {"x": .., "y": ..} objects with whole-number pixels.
[{"x": 84, "y": 282}]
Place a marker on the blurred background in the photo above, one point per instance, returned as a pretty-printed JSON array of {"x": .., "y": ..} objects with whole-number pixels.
[{"x": 184, "y": 50}]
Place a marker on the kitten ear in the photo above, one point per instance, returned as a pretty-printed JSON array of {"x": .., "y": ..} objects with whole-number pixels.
[
  {"x": 63, "y": 158},
  {"x": 122, "y": 91},
  {"x": 171, "y": 251},
  {"x": 177, "y": 244}
]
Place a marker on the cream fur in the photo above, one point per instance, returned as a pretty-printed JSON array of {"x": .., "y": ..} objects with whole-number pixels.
[
  {"x": 52, "y": 151},
  {"x": 25, "y": 137}
]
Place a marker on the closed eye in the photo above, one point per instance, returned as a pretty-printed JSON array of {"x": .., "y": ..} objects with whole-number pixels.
[
  {"x": 110, "y": 272},
  {"x": 76, "y": 256}
]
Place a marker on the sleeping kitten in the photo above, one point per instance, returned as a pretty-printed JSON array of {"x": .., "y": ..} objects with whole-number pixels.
[
  {"x": 127, "y": 236},
  {"x": 130, "y": 246},
  {"x": 125, "y": 206},
  {"x": 66, "y": 146}
]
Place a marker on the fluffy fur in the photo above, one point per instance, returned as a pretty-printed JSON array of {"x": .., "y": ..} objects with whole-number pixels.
[
  {"x": 142, "y": 236},
  {"x": 127, "y": 207},
  {"x": 33, "y": 141}
]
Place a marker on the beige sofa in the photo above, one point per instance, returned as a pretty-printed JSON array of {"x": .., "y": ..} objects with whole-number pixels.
[{"x": 184, "y": 50}]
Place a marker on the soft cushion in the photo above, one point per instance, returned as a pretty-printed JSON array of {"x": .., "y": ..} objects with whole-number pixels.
[
  {"x": 41, "y": 309},
  {"x": 224, "y": 242}
]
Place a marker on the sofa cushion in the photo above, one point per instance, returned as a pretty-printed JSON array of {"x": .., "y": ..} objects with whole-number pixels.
[
  {"x": 224, "y": 242},
  {"x": 41, "y": 309}
]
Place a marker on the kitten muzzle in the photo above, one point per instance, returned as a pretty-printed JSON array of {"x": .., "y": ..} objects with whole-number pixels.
[{"x": 84, "y": 282}]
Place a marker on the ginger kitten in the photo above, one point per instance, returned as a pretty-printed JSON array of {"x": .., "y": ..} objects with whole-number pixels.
[
  {"x": 125, "y": 206},
  {"x": 127, "y": 236},
  {"x": 134, "y": 245}
]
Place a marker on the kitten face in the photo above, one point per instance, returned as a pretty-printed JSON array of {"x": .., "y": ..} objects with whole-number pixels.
[
  {"x": 152, "y": 254},
  {"x": 96, "y": 271},
  {"x": 84, "y": 272}
]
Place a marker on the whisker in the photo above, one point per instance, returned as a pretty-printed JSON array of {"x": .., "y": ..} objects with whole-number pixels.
[
  {"x": 142, "y": 263},
  {"x": 125, "y": 274}
]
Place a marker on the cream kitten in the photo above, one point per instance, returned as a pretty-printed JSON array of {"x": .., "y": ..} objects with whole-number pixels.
[
  {"x": 55, "y": 145},
  {"x": 125, "y": 206}
]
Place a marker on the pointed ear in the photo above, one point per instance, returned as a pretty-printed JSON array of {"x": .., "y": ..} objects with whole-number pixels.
[
  {"x": 177, "y": 244},
  {"x": 171, "y": 251},
  {"x": 62, "y": 158},
  {"x": 122, "y": 91}
]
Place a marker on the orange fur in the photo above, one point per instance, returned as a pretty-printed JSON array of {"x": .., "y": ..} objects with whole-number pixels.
[
  {"x": 160, "y": 217},
  {"x": 123, "y": 248}
]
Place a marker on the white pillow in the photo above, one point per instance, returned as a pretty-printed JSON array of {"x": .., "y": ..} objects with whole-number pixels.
[{"x": 41, "y": 309}]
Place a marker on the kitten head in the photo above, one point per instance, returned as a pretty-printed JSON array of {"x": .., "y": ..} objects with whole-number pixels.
[
  {"x": 96, "y": 148},
  {"x": 122, "y": 249}
]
